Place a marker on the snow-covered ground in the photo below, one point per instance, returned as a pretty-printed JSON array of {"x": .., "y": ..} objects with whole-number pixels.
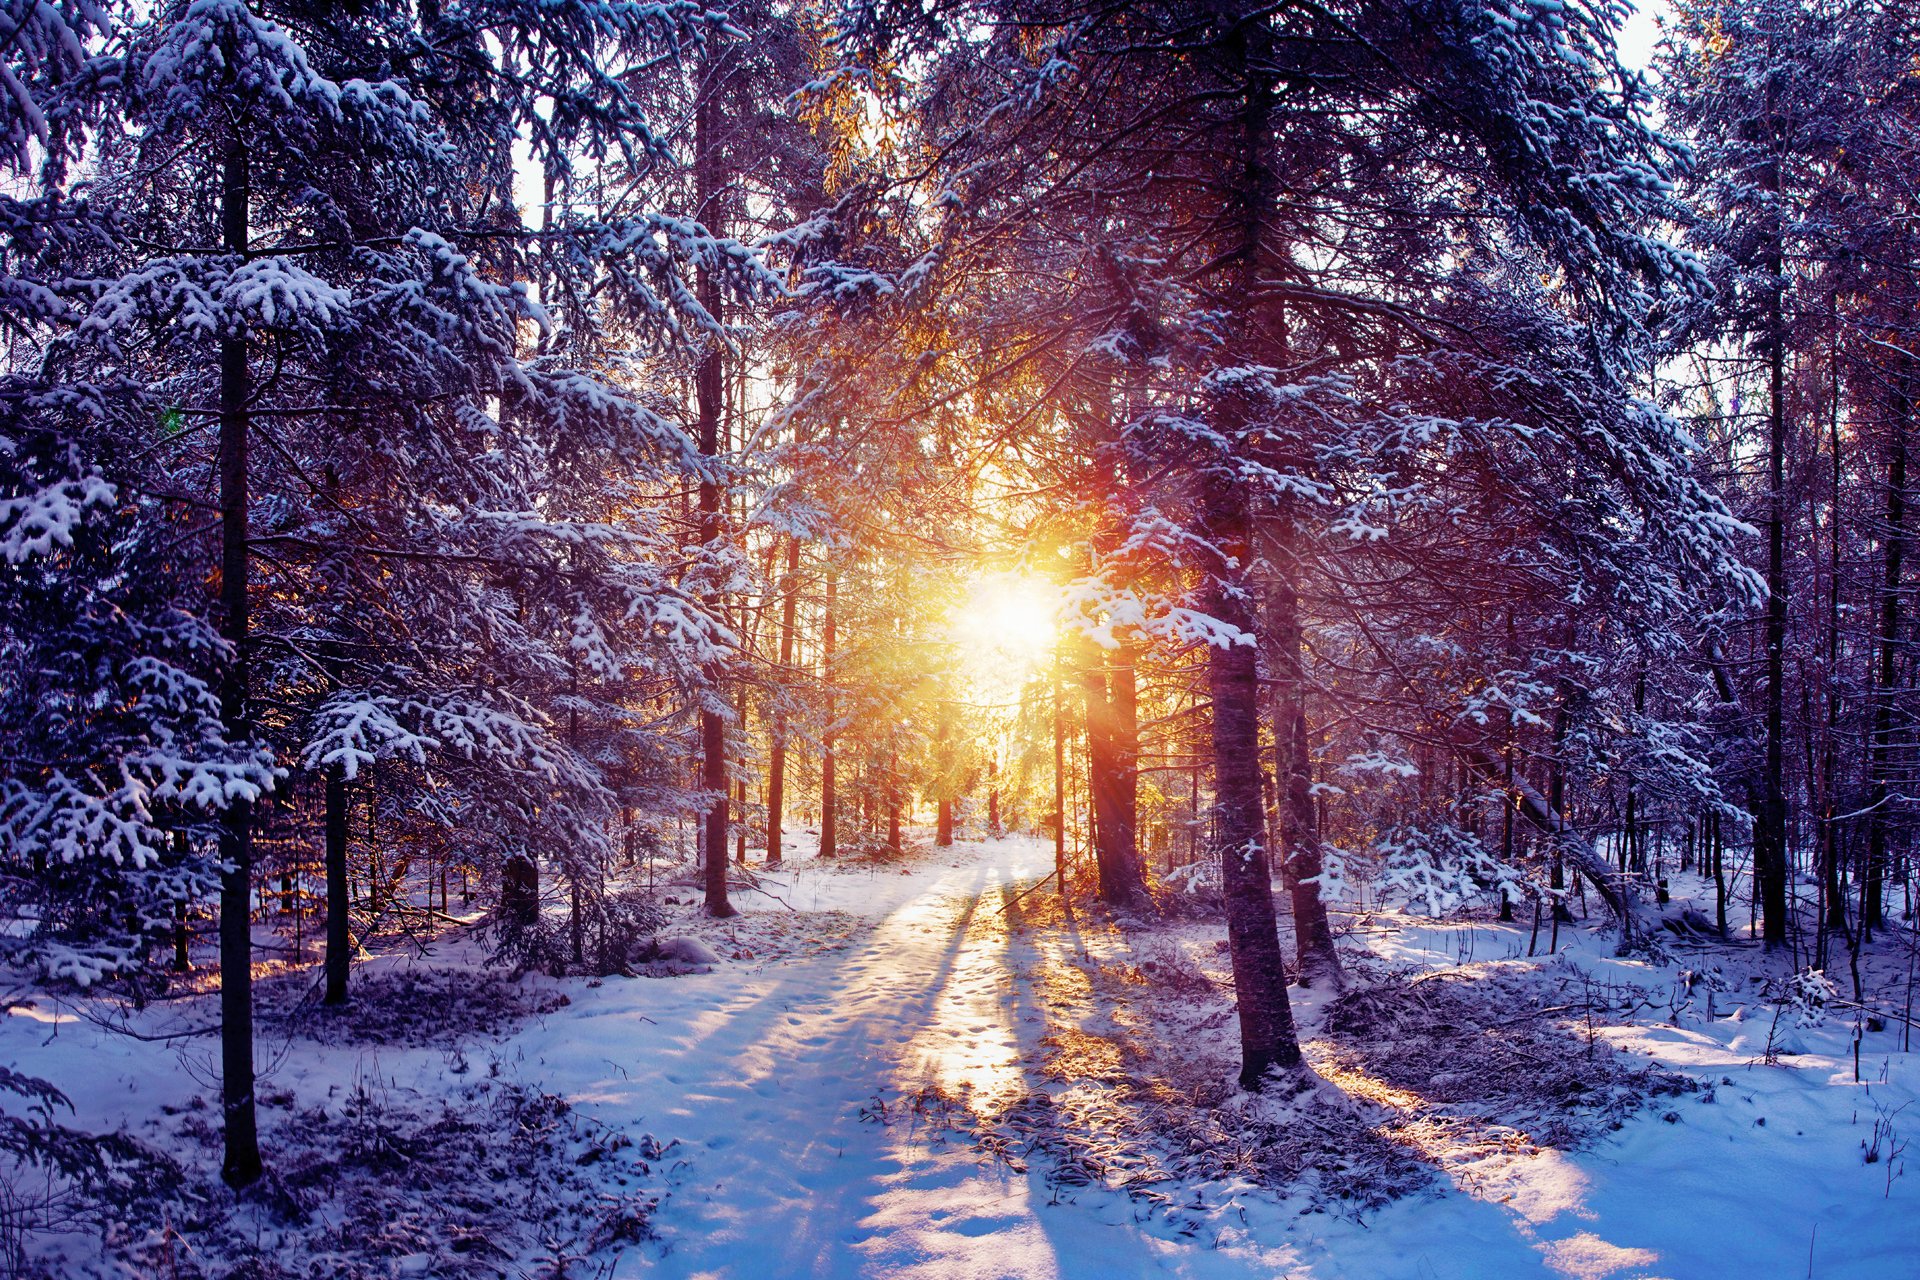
[{"x": 777, "y": 1091}]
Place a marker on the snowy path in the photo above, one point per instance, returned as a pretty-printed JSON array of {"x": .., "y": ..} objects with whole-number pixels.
[{"x": 763, "y": 1077}]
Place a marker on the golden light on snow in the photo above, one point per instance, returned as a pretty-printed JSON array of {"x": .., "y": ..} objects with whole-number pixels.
[{"x": 969, "y": 1049}]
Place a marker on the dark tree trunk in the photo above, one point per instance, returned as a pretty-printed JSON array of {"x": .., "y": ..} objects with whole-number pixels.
[
  {"x": 1267, "y": 1037},
  {"x": 1301, "y": 861},
  {"x": 893, "y": 800},
  {"x": 740, "y": 823},
  {"x": 1113, "y": 749},
  {"x": 829, "y": 801},
  {"x": 1770, "y": 809},
  {"x": 1834, "y": 918},
  {"x": 241, "y": 1164},
  {"x": 709, "y": 391},
  {"x": 943, "y": 757},
  {"x": 339, "y": 943},
  {"x": 1881, "y": 743},
  {"x": 993, "y": 798},
  {"x": 182, "y": 953},
  {"x": 1268, "y": 1041},
  {"x": 777, "y": 757},
  {"x": 1059, "y": 784}
]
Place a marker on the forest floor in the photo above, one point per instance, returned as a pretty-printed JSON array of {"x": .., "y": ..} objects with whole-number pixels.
[{"x": 917, "y": 1071}]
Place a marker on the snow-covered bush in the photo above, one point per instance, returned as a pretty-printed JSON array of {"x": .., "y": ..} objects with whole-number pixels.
[
  {"x": 1199, "y": 878},
  {"x": 1439, "y": 868},
  {"x": 1806, "y": 995}
]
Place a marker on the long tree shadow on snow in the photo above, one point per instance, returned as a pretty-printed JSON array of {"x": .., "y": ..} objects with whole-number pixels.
[{"x": 1484, "y": 1077}]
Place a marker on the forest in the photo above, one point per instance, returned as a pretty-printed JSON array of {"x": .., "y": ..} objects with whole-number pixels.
[{"x": 958, "y": 638}]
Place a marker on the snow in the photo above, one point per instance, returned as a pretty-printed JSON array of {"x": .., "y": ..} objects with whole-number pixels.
[
  {"x": 786, "y": 1068},
  {"x": 35, "y": 524}
]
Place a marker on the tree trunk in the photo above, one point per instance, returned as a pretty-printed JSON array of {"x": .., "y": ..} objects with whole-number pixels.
[
  {"x": 777, "y": 757},
  {"x": 709, "y": 391},
  {"x": 1834, "y": 918},
  {"x": 893, "y": 799},
  {"x": 1301, "y": 860},
  {"x": 993, "y": 798},
  {"x": 829, "y": 812},
  {"x": 944, "y": 765},
  {"x": 1268, "y": 1041},
  {"x": 339, "y": 943},
  {"x": 1770, "y": 811},
  {"x": 1059, "y": 783},
  {"x": 1881, "y": 744},
  {"x": 182, "y": 953},
  {"x": 740, "y": 823},
  {"x": 241, "y": 1164},
  {"x": 1267, "y": 1037},
  {"x": 1113, "y": 748}
]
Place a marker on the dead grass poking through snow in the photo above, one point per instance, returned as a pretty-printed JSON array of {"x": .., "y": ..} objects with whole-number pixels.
[
  {"x": 495, "y": 1182},
  {"x": 1491, "y": 1056}
]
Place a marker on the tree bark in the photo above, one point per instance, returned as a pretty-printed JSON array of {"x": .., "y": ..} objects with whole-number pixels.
[
  {"x": 893, "y": 798},
  {"x": 993, "y": 798},
  {"x": 1833, "y": 918},
  {"x": 777, "y": 757},
  {"x": 182, "y": 952},
  {"x": 1113, "y": 749},
  {"x": 1059, "y": 785},
  {"x": 241, "y": 1164},
  {"x": 709, "y": 393},
  {"x": 1267, "y": 1037},
  {"x": 339, "y": 943},
  {"x": 1268, "y": 1042},
  {"x": 829, "y": 801},
  {"x": 944, "y": 766},
  {"x": 1301, "y": 860},
  {"x": 1880, "y": 743},
  {"x": 1770, "y": 810}
]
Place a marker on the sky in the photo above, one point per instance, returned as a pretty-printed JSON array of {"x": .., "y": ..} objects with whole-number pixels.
[{"x": 1641, "y": 31}]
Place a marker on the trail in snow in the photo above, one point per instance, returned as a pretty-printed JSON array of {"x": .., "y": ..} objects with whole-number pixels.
[{"x": 763, "y": 1078}]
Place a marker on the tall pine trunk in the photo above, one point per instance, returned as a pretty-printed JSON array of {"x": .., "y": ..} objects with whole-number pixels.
[
  {"x": 777, "y": 757},
  {"x": 944, "y": 779},
  {"x": 1770, "y": 816},
  {"x": 339, "y": 943},
  {"x": 1834, "y": 919},
  {"x": 1880, "y": 749},
  {"x": 1112, "y": 752},
  {"x": 709, "y": 394},
  {"x": 241, "y": 1164},
  {"x": 1267, "y": 1037},
  {"x": 829, "y": 800},
  {"x": 1268, "y": 1041}
]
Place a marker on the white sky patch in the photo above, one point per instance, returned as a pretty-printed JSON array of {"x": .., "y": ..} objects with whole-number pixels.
[
  {"x": 1641, "y": 33},
  {"x": 1005, "y": 629}
]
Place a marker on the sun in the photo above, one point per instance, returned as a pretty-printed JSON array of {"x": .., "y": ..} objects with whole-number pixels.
[{"x": 1006, "y": 626}]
